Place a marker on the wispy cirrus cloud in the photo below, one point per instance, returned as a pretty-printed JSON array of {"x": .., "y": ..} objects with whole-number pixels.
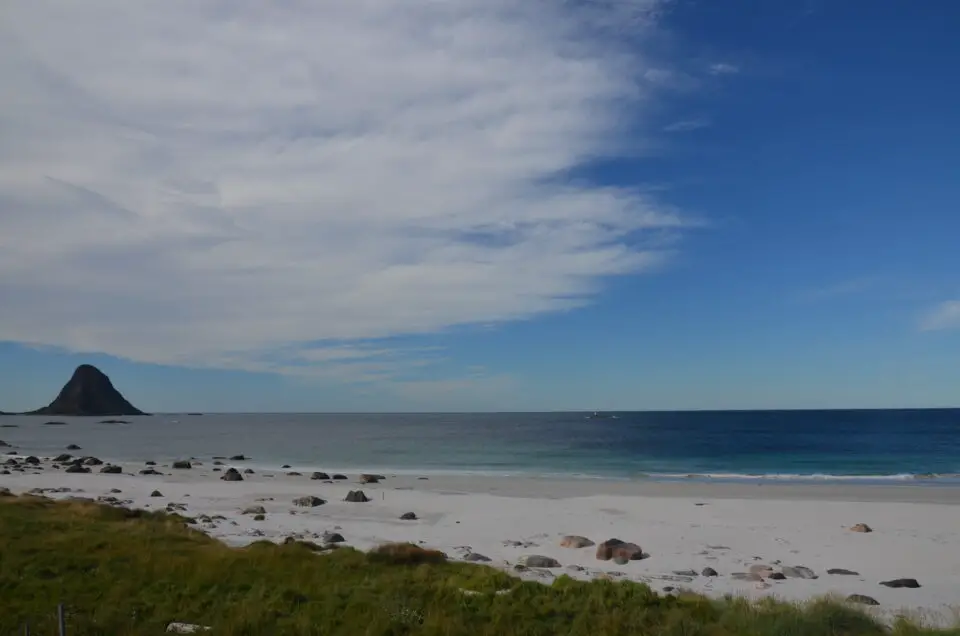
[
  {"x": 723, "y": 68},
  {"x": 841, "y": 289},
  {"x": 686, "y": 125},
  {"x": 946, "y": 315},
  {"x": 221, "y": 184}
]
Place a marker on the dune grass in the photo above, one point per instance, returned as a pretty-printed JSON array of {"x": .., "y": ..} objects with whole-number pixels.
[{"x": 132, "y": 572}]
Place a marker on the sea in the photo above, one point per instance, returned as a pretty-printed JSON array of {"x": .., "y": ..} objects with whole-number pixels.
[{"x": 866, "y": 446}]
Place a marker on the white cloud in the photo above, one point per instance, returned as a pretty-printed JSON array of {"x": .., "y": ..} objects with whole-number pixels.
[
  {"x": 204, "y": 183},
  {"x": 946, "y": 315},
  {"x": 686, "y": 125},
  {"x": 722, "y": 68}
]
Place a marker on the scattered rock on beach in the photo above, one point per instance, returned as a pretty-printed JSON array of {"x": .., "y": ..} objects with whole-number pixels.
[
  {"x": 150, "y": 471},
  {"x": 575, "y": 541},
  {"x": 32, "y": 460},
  {"x": 54, "y": 423},
  {"x": 62, "y": 458},
  {"x": 111, "y": 470},
  {"x": 688, "y": 573},
  {"x": 5, "y": 492},
  {"x": 356, "y": 496},
  {"x": 3, "y": 444},
  {"x": 247, "y": 471},
  {"x": 861, "y": 527},
  {"x": 777, "y": 576},
  {"x": 286, "y": 466},
  {"x": 615, "y": 548},
  {"x": 320, "y": 476},
  {"x": 92, "y": 461},
  {"x": 408, "y": 516},
  {"x": 862, "y": 600},
  {"x": 370, "y": 479},
  {"x": 761, "y": 570},
  {"x": 232, "y": 475},
  {"x": 897, "y": 583},
  {"x": 339, "y": 477},
  {"x": 843, "y": 572},
  {"x": 254, "y": 510},
  {"x": 709, "y": 572},
  {"x": 182, "y": 464},
  {"x": 798, "y": 572},
  {"x": 156, "y": 493},
  {"x": 537, "y": 561},
  {"x": 746, "y": 576},
  {"x": 294, "y": 474},
  {"x": 76, "y": 468},
  {"x": 476, "y": 557},
  {"x": 259, "y": 517},
  {"x": 332, "y": 537},
  {"x": 238, "y": 458},
  {"x": 115, "y": 491},
  {"x": 150, "y": 463},
  {"x": 309, "y": 501}
]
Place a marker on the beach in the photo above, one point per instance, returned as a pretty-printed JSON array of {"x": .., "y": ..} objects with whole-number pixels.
[{"x": 736, "y": 529}]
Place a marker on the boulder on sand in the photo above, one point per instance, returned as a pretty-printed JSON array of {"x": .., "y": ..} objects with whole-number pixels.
[
  {"x": 617, "y": 549},
  {"x": 76, "y": 468},
  {"x": 537, "y": 561},
  {"x": 232, "y": 475},
  {"x": 370, "y": 479},
  {"x": 861, "y": 527},
  {"x": 408, "y": 516},
  {"x": 320, "y": 476},
  {"x": 356, "y": 496},
  {"x": 575, "y": 541},
  {"x": 308, "y": 501},
  {"x": 111, "y": 470},
  {"x": 62, "y": 458},
  {"x": 181, "y": 464}
]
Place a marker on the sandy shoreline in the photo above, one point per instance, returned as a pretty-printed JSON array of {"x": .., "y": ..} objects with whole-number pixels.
[{"x": 684, "y": 527}]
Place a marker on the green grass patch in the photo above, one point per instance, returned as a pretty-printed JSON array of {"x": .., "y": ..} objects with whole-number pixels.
[{"x": 132, "y": 572}]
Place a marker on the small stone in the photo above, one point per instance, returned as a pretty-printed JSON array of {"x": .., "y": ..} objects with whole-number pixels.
[
  {"x": 32, "y": 460},
  {"x": 843, "y": 572},
  {"x": 92, "y": 461},
  {"x": 370, "y": 479},
  {"x": 691, "y": 573},
  {"x": 356, "y": 496},
  {"x": 339, "y": 477},
  {"x": 150, "y": 471},
  {"x": 320, "y": 476},
  {"x": 538, "y": 561},
  {"x": 332, "y": 537},
  {"x": 777, "y": 576},
  {"x": 798, "y": 572},
  {"x": 861, "y": 527},
  {"x": 862, "y": 600},
  {"x": 709, "y": 572},
  {"x": 150, "y": 463},
  {"x": 156, "y": 493},
  {"x": 218, "y": 463},
  {"x": 286, "y": 466},
  {"x": 476, "y": 557},
  {"x": 308, "y": 501},
  {"x": 73, "y": 447},
  {"x": 111, "y": 470},
  {"x": 232, "y": 475},
  {"x": 238, "y": 458},
  {"x": 764, "y": 571},
  {"x": 63, "y": 458},
  {"x": 247, "y": 471},
  {"x": 76, "y": 468},
  {"x": 254, "y": 510},
  {"x": 408, "y": 516},
  {"x": 897, "y": 583},
  {"x": 116, "y": 491},
  {"x": 575, "y": 541},
  {"x": 182, "y": 464},
  {"x": 259, "y": 517}
]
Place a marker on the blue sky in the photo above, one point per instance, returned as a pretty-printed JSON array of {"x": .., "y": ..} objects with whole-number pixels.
[{"x": 609, "y": 205}]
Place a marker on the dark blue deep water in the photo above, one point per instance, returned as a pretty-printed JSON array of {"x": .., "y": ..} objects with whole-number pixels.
[{"x": 864, "y": 445}]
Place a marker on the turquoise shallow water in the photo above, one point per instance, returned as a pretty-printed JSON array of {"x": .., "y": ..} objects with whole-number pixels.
[{"x": 867, "y": 446}]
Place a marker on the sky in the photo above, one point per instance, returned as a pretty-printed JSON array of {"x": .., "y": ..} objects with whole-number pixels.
[{"x": 481, "y": 204}]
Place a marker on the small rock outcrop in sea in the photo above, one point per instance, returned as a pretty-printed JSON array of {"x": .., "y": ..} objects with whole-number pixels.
[
  {"x": 897, "y": 583},
  {"x": 3, "y": 444},
  {"x": 73, "y": 447},
  {"x": 862, "y": 600},
  {"x": 861, "y": 527},
  {"x": 89, "y": 392},
  {"x": 238, "y": 458},
  {"x": 232, "y": 475},
  {"x": 575, "y": 541},
  {"x": 356, "y": 496},
  {"x": 308, "y": 501},
  {"x": 618, "y": 551}
]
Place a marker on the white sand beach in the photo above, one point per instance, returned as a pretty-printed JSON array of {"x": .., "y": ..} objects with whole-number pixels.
[{"x": 683, "y": 528}]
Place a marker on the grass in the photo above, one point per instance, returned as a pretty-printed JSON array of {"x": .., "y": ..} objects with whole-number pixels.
[{"x": 132, "y": 572}]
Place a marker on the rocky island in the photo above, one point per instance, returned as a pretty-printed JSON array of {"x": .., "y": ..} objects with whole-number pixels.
[{"x": 89, "y": 392}]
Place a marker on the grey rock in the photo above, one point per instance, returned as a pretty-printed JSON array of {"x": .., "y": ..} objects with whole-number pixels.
[
  {"x": 76, "y": 468},
  {"x": 254, "y": 510},
  {"x": 339, "y": 477},
  {"x": 308, "y": 501},
  {"x": 690, "y": 573},
  {"x": 746, "y": 576},
  {"x": 709, "y": 572},
  {"x": 320, "y": 476},
  {"x": 862, "y": 600},
  {"x": 182, "y": 464},
  {"x": 92, "y": 461},
  {"x": 576, "y": 541},
  {"x": 777, "y": 576},
  {"x": 476, "y": 557},
  {"x": 73, "y": 447},
  {"x": 332, "y": 537},
  {"x": 408, "y": 516},
  {"x": 111, "y": 470},
  {"x": 32, "y": 460},
  {"x": 370, "y": 479},
  {"x": 842, "y": 572},
  {"x": 150, "y": 471},
  {"x": 62, "y": 458},
  {"x": 116, "y": 491},
  {"x": 156, "y": 493},
  {"x": 232, "y": 475},
  {"x": 798, "y": 572},
  {"x": 898, "y": 583},
  {"x": 247, "y": 471},
  {"x": 356, "y": 496},
  {"x": 537, "y": 561},
  {"x": 238, "y": 458}
]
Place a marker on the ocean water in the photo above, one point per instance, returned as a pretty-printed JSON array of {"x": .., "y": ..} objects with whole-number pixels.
[{"x": 868, "y": 446}]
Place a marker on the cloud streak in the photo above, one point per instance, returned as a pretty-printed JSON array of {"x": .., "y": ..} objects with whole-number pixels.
[
  {"x": 946, "y": 315},
  {"x": 211, "y": 184}
]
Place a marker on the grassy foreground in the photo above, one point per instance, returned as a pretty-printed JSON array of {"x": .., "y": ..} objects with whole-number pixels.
[{"x": 123, "y": 572}]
